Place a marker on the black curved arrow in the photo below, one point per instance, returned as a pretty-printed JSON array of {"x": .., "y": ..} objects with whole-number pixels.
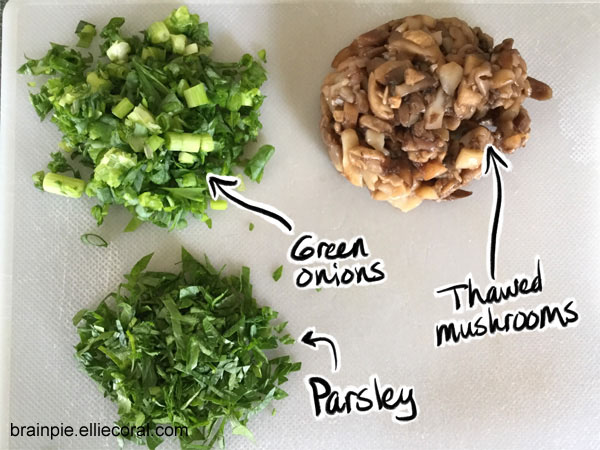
[
  {"x": 495, "y": 158},
  {"x": 224, "y": 185},
  {"x": 311, "y": 338}
]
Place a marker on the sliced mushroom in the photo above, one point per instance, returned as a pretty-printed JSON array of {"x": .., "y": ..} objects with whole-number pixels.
[
  {"x": 373, "y": 38},
  {"x": 433, "y": 169},
  {"x": 539, "y": 90},
  {"x": 342, "y": 55},
  {"x": 350, "y": 113},
  {"x": 375, "y": 101},
  {"x": 469, "y": 158},
  {"x": 375, "y": 139},
  {"x": 434, "y": 114},
  {"x": 406, "y": 204},
  {"x": 412, "y": 76},
  {"x": 384, "y": 69},
  {"x": 375, "y": 124}
]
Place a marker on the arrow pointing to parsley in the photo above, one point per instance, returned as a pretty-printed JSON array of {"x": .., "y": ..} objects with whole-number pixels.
[
  {"x": 495, "y": 159},
  {"x": 224, "y": 185},
  {"x": 311, "y": 338}
]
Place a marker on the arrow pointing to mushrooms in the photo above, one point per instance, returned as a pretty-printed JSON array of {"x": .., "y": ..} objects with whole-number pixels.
[
  {"x": 224, "y": 185},
  {"x": 311, "y": 338},
  {"x": 495, "y": 159}
]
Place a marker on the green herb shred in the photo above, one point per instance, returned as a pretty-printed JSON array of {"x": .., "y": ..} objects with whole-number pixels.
[
  {"x": 151, "y": 117},
  {"x": 94, "y": 240},
  {"x": 190, "y": 349},
  {"x": 277, "y": 273}
]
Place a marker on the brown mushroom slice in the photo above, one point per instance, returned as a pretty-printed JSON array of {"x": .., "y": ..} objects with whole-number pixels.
[
  {"x": 427, "y": 192},
  {"x": 539, "y": 90},
  {"x": 354, "y": 63},
  {"x": 350, "y": 115},
  {"x": 481, "y": 75},
  {"x": 432, "y": 169},
  {"x": 458, "y": 194},
  {"x": 420, "y": 37},
  {"x": 373, "y": 38},
  {"x": 450, "y": 77},
  {"x": 375, "y": 101},
  {"x": 370, "y": 179},
  {"x": 347, "y": 94},
  {"x": 349, "y": 140},
  {"x": 367, "y": 159},
  {"x": 466, "y": 96},
  {"x": 343, "y": 55},
  {"x": 384, "y": 69},
  {"x": 434, "y": 114},
  {"x": 389, "y": 187},
  {"x": 375, "y": 124},
  {"x": 375, "y": 139},
  {"x": 406, "y": 204},
  {"x": 472, "y": 60},
  {"x": 502, "y": 77},
  {"x": 338, "y": 114},
  {"x": 469, "y": 158},
  {"x": 400, "y": 44},
  {"x": 412, "y": 76},
  {"x": 404, "y": 89}
]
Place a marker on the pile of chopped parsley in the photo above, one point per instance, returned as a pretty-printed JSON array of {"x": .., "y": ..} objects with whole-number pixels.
[
  {"x": 151, "y": 117},
  {"x": 190, "y": 349}
]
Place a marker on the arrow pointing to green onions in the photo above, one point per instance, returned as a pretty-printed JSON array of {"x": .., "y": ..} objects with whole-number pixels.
[{"x": 224, "y": 185}]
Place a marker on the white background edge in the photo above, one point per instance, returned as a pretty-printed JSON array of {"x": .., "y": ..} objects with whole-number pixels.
[{"x": 6, "y": 216}]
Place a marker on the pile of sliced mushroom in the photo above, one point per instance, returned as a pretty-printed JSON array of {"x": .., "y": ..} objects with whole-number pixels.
[{"x": 411, "y": 106}]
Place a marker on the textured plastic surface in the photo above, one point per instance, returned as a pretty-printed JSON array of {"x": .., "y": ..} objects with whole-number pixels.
[{"x": 529, "y": 390}]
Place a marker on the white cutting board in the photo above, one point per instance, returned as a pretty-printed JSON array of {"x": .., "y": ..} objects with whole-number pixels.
[{"x": 527, "y": 390}]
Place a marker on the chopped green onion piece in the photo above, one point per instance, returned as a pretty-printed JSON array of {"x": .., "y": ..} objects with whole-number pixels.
[
  {"x": 196, "y": 96},
  {"x": 207, "y": 143},
  {"x": 95, "y": 82},
  {"x": 178, "y": 43},
  {"x": 251, "y": 226},
  {"x": 207, "y": 50},
  {"x": 143, "y": 117},
  {"x": 277, "y": 273},
  {"x": 117, "y": 70},
  {"x": 154, "y": 142},
  {"x": 86, "y": 32},
  {"x": 63, "y": 145},
  {"x": 191, "y": 143},
  {"x": 151, "y": 201},
  {"x": 218, "y": 205},
  {"x": 159, "y": 54},
  {"x": 136, "y": 143},
  {"x": 187, "y": 158},
  {"x": 38, "y": 179},
  {"x": 63, "y": 185},
  {"x": 158, "y": 33},
  {"x": 190, "y": 49},
  {"x": 118, "y": 52},
  {"x": 189, "y": 179},
  {"x": 183, "y": 142},
  {"x": 182, "y": 86},
  {"x": 262, "y": 54},
  {"x": 93, "y": 239},
  {"x": 122, "y": 108}
]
